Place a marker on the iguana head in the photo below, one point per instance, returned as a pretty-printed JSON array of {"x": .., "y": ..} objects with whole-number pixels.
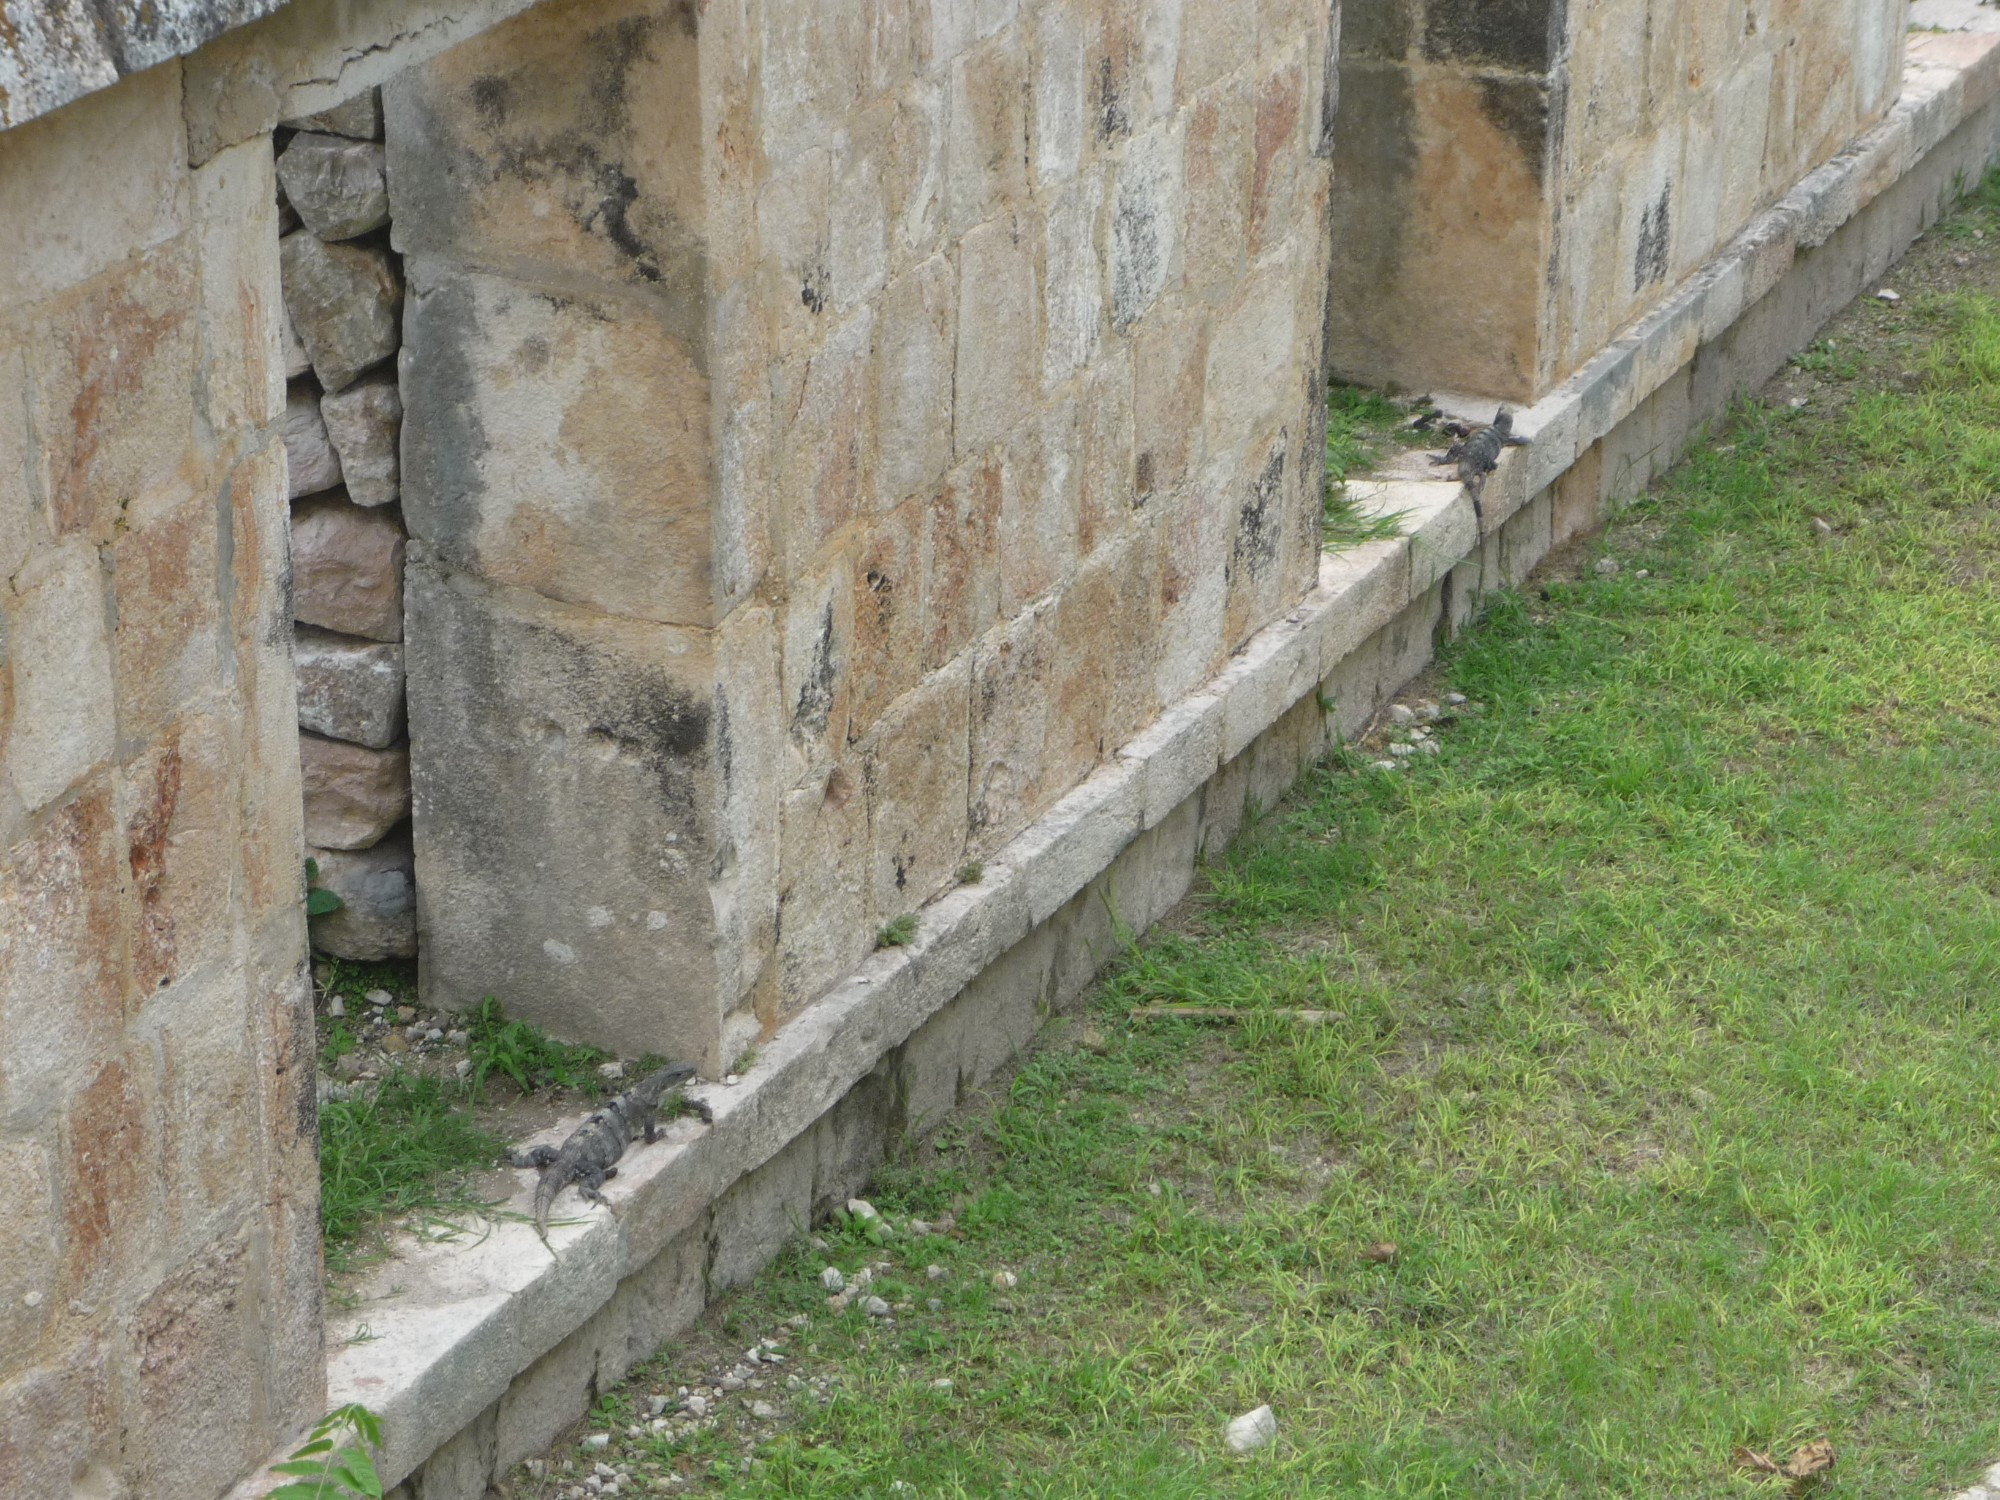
[{"x": 654, "y": 1085}]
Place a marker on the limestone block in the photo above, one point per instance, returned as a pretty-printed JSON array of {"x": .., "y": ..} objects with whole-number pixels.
[
  {"x": 345, "y": 301},
  {"x": 197, "y": 1356},
  {"x": 1013, "y": 682},
  {"x": 913, "y": 381},
  {"x": 311, "y": 465},
  {"x": 338, "y": 186},
  {"x": 49, "y": 1421},
  {"x": 359, "y": 118},
  {"x": 818, "y": 630},
  {"x": 1222, "y": 37},
  {"x": 1073, "y": 293},
  {"x": 1040, "y": 483},
  {"x": 1277, "y": 167},
  {"x": 887, "y": 655},
  {"x": 824, "y": 886},
  {"x": 568, "y": 138},
  {"x": 349, "y": 690},
  {"x": 957, "y": 24},
  {"x": 828, "y": 448},
  {"x": 986, "y": 158},
  {"x": 1169, "y": 358},
  {"x": 962, "y": 559},
  {"x": 917, "y": 792},
  {"x": 584, "y": 748},
  {"x": 1107, "y": 629},
  {"x": 1107, "y": 501},
  {"x": 588, "y": 482},
  {"x": 353, "y": 794},
  {"x": 1147, "y": 218},
  {"x": 364, "y": 423},
  {"x": 27, "y": 1249},
  {"x": 916, "y": 169},
  {"x": 347, "y": 568},
  {"x": 168, "y": 630},
  {"x": 377, "y": 888},
  {"x": 1195, "y": 535},
  {"x": 60, "y": 652},
  {"x": 1060, "y": 105},
  {"x": 795, "y": 239},
  {"x": 1252, "y": 347},
  {"x": 997, "y": 331},
  {"x": 297, "y": 361},
  {"x": 814, "y": 63},
  {"x": 857, "y": 257},
  {"x": 1220, "y": 157},
  {"x": 242, "y": 310}
]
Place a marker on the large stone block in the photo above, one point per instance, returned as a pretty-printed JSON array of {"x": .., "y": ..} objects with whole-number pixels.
[
  {"x": 338, "y": 186},
  {"x": 345, "y": 302},
  {"x": 557, "y": 443},
  {"x": 585, "y": 749},
  {"x": 824, "y": 905},
  {"x": 59, "y": 649},
  {"x": 987, "y": 159},
  {"x": 359, "y": 118},
  {"x": 377, "y": 888},
  {"x": 1040, "y": 482},
  {"x": 962, "y": 559},
  {"x": 1073, "y": 293},
  {"x": 887, "y": 655},
  {"x": 913, "y": 381},
  {"x": 364, "y": 424},
  {"x": 1013, "y": 682},
  {"x": 1148, "y": 214},
  {"x": 917, "y": 792},
  {"x": 568, "y": 138},
  {"x": 827, "y": 448},
  {"x": 998, "y": 327},
  {"x": 354, "y": 795},
  {"x": 347, "y": 568},
  {"x": 348, "y": 689}
]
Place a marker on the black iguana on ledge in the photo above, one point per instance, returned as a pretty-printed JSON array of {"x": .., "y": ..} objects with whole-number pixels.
[
  {"x": 591, "y": 1153},
  {"x": 1477, "y": 454}
]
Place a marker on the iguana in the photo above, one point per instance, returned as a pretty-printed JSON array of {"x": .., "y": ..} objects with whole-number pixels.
[
  {"x": 1477, "y": 454},
  {"x": 591, "y": 1153}
]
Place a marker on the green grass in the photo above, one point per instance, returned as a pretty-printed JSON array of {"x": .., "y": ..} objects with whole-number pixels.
[
  {"x": 403, "y": 1152},
  {"x": 899, "y": 933},
  {"x": 1360, "y": 426},
  {"x": 1672, "y": 1007},
  {"x": 526, "y": 1054}
]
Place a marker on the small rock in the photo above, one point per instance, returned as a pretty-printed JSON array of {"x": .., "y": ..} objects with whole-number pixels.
[
  {"x": 1821, "y": 527},
  {"x": 862, "y": 1209},
  {"x": 347, "y": 1066},
  {"x": 875, "y": 1307},
  {"x": 1251, "y": 1431},
  {"x": 798, "y": 1321},
  {"x": 433, "y": 1035},
  {"x": 1456, "y": 700},
  {"x": 920, "y": 1227},
  {"x": 1402, "y": 713},
  {"x": 1428, "y": 712},
  {"x": 837, "y": 1303},
  {"x": 1428, "y": 747},
  {"x": 934, "y": 1304},
  {"x": 458, "y": 1038},
  {"x": 336, "y": 1008},
  {"x": 537, "y": 1468},
  {"x": 818, "y": 1243},
  {"x": 1373, "y": 765},
  {"x": 655, "y": 1405},
  {"x": 730, "y": 1080},
  {"x": 345, "y": 302},
  {"x": 832, "y": 1280},
  {"x": 377, "y": 886},
  {"x": 378, "y": 997},
  {"x": 1642, "y": 573},
  {"x": 339, "y": 186},
  {"x": 1006, "y": 1281},
  {"x": 311, "y": 464},
  {"x": 462, "y": 1068},
  {"x": 364, "y": 423},
  {"x": 597, "y": 1441},
  {"x": 1381, "y": 1253},
  {"x": 395, "y": 1043},
  {"x": 611, "y": 1072},
  {"x": 347, "y": 568},
  {"x": 941, "y": 1384},
  {"x": 934, "y": 1272},
  {"x": 1606, "y": 567},
  {"x": 865, "y": 1277},
  {"x": 1402, "y": 751},
  {"x": 1889, "y": 295},
  {"x": 763, "y": 1411},
  {"x": 695, "y": 1406},
  {"x": 1797, "y": 403},
  {"x": 406, "y": 1013},
  {"x": 731, "y": 1382}
]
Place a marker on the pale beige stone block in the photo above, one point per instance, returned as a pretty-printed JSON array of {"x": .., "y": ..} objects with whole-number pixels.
[
  {"x": 961, "y": 559},
  {"x": 311, "y": 465},
  {"x": 888, "y": 654},
  {"x": 347, "y": 568},
  {"x": 1107, "y": 499},
  {"x": 998, "y": 329},
  {"x": 1013, "y": 688},
  {"x": 824, "y": 882},
  {"x": 242, "y": 307},
  {"x": 828, "y": 446},
  {"x": 59, "y": 649},
  {"x": 1073, "y": 290},
  {"x": 1220, "y": 159},
  {"x": 353, "y": 794},
  {"x": 1148, "y": 216},
  {"x": 1060, "y": 105},
  {"x": 913, "y": 380},
  {"x": 1040, "y": 483},
  {"x": 917, "y": 787},
  {"x": 986, "y": 169},
  {"x": 817, "y": 646}
]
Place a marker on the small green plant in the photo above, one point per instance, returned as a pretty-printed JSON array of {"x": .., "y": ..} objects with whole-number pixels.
[
  {"x": 526, "y": 1054},
  {"x": 409, "y": 1147},
  {"x": 320, "y": 901},
  {"x": 334, "y": 1463},
  {"x": 971, "y": 872},
  {"x": 899, "y": 933},
  {"x": 339, "y": 1042}
]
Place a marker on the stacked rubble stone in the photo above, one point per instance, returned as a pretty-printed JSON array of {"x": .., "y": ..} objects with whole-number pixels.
[{"x": 343, "y": 291}]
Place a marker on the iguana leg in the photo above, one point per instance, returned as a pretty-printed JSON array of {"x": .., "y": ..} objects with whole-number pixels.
[
  {"x": 588, "y": 1186},
  {"x": 701, "y": 1107},
  {"x": 650, "y": 1125}
]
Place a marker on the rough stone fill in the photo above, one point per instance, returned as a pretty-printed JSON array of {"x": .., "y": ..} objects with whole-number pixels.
[
  {"x": 349, "y": 689},
  {"x": 345, "y": 302},
  {"x": 378, "y": 914},
  {"x": 310, "y": 460},
  {"x": 353, "y": 795},
  {"x": 336, "y": 185},
  {"x": 363, "y": 423}
]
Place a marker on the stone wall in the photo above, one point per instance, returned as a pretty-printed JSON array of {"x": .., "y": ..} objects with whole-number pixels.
[
  {"x": 832, "y": 431},
  {"x": 1517, "y": 182},
  {"x": 159, "y": 1255},
  {"x": 343, "y": 290}
]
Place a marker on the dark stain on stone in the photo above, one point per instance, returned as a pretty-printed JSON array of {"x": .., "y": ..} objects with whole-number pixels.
[
  {"x": 491, "y": 100},
  {"x": 444, "y": 438},
  {"x": 1259, "y": 519},
  {"x": 812, "y": 290},
  {"x": 146, "y": 855},
  {"x": 815, "y": 706},
  {"x": 1142, "y": 478},
  {"x": 1371, "y": 189},
  {"x": 1378, "y": 29},
  {"x": 1523, "y": 34},
  {"x": 1649, "y": 262},
  {"x": 1111, "y": 118},
  {"x": 1519, "y": 109}
]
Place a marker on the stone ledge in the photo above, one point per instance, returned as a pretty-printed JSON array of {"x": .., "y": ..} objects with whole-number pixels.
[{"x": 471, "y": 1317}]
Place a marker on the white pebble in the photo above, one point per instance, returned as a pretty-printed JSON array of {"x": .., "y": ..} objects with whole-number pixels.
[
  {"x": 732, "y": 1382},
  {"x": 730, "y": 1080},
  {"x": 1402, "y": 750},
  {"x": 1006, "y": 1281},
  {"x": 863, "y": 1278},
  {"x": 875, "y": 1307},
  {"x": 1428, "y": 747},
  {"x": 920, "y": 1227},
  {"x": 463, "y": 1067},
  {"x": 598, "y": 1440},
  {"x": 1889, "y": 296},
  {"x": 336, "y": 1007},
  {"x": 655, "y": 1405},
  {"x": 695, "y": 1406},
  {"x": 763, "y": 1411},
  {"x": 378, "y": 997},
  {"x": 861, "y": 1208},
  {"x": 611, "y": 1071},
  {"x": 1402, "y": 713},
  {"x": 940, "y": 1385},
  {"x": 1606, "y": 567},
  {"x": 933, "y": 1304},
  {"x": 934, "y": 1272},
  {"x": 1376, "y": 765},
  {"x": 1456, "y": 700},
  {"x": 1251, "y": 1431}
]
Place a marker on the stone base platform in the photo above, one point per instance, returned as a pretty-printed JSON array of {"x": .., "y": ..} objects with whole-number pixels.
[{"x": 489, "y": 1347}]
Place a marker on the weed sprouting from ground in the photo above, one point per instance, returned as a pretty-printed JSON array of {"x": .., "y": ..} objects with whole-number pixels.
[
  {"x": 1360, "y": 425},
  {"x": 1664, "y": 1060},
  {"x": 526, "y": 1054}
]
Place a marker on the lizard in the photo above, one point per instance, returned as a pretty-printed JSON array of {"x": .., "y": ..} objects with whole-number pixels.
[
  {"x": 591, "y": 1153},
  {"x": 1477, "y": 454}
]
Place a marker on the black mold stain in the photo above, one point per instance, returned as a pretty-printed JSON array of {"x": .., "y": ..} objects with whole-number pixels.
[
  {"x": 1649, "y": 263},
  {"x": 1258, "y": 521},
  {"x": 815, "y": 705},
  {"x": 1111, "y": 118},
  {"x": 1523, "y": 34},
  {"x": 812, "y": 291},
  {"x": 1519, "y": 108},
  {"x": 638, "y": 713}
]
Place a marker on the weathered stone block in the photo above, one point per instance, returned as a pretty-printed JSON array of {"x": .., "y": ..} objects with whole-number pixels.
[
  {"x": 347, "y": 568},
  {"x": 819, "y": 630},
  {"x": 338, "y": 186},
  {"x": 1107, "y": 625},
  {"x": 1169, "y": 358},
  {"x": 824, "y": 894},
  {"x": 917, "y": 792},
  {"x": 587, "y": 748},
  {"x": 1013, "y": 678},
  {"x": 827, "y": 449},
  {"x": 1038, "y": 507},
  {"x": 887, "y": 657},
  {"x": 345, "y": 302},
  {"x": 27, "y": 1254},
  {"x": 377, "y": 888},
  {"x": 1107, "y": 501},
  {"x": 1147, "y": 219},
  {"x": 167, "y": 637},
  {"x": 311, "y": 465},
  {"x": 913, "y": 381},
  {"x": 349, "y": 690},
  {"x": 353, "y": 794},
  {"x": 1195, "y": 537},
  {"x": 587, "y": 483},
  {"x": 1073, "y": 294},
  {"x": 364, "y": 423},
  {"x": 59, "y": 650},
  {"x": 962, "y": 561},
  {"x": 987, "y": 157},
  {"x": 998, "y": 327},
  {"x": 1060, "y": 105},
  {"x": 1219, "y": 160},
  {"x": 359, "y": 118}
]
